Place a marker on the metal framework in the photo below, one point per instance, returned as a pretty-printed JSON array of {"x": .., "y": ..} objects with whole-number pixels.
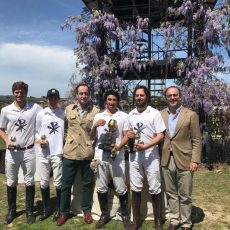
[{"x": 156, "y": 11}]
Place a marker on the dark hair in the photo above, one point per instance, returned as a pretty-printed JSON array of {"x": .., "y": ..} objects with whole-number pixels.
[
  {"x": 111, "y": 92},
  {"x": 147, "y": 93},
  {"x": 170, "y": 87},
  {"x": 20, "y": 85},
  {"x": 80, "y": 84}
]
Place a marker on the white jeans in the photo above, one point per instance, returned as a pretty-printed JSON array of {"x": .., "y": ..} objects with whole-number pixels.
[
  {"x": 111, "y": 169},
  {"x": 140, "y": 166},
  {"x": 45, "y": 164},
  {"x": 27, "y": 160}
]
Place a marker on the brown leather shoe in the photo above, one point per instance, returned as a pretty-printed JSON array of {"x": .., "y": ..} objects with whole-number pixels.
[
  {"x": 88, "y": 218},
  {"x": 173, "y": 227},
  {"x": 61, "y": 219}
]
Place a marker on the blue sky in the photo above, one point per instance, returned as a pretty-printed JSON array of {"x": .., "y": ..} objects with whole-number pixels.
[{"x": 33, "y": 48}]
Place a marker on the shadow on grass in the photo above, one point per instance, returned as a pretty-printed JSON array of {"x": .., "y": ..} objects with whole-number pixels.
[{"x": 197, "y": 215}]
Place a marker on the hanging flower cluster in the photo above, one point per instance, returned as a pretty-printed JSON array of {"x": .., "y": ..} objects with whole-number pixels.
[
  {"x": 98, "y": 55},
  {"x": 208, "y": 34}
]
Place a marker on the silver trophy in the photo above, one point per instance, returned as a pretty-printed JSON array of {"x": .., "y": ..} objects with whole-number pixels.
[{"x": 44, "y": 143}]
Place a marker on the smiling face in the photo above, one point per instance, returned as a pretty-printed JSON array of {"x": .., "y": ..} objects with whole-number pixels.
[
  {"x": 111, "y": 103},
  {"x": 173, "y": 98},
  {"x": 141, "y": 98},
  {"x": 20, "y": 96}
]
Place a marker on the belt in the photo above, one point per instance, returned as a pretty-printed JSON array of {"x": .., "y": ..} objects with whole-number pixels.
[{"x": 24, "y": 148}]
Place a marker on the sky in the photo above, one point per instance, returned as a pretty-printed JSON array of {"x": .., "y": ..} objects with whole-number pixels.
[{"x": 33, "y": 48}]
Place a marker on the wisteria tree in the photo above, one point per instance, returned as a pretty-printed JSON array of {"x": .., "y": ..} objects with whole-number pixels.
[{"x": 107, "y": 48}]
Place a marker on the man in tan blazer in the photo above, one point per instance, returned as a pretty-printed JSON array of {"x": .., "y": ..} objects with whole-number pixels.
[{"x": 181, "y": 152}]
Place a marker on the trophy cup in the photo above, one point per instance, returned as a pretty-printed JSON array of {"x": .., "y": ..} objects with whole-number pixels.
[
  {"x": 44, "y": 141},
  {"x": 12, "y": 145},
  {"x": 133, "y": 141},
  {"x": 109, "y": 140}
]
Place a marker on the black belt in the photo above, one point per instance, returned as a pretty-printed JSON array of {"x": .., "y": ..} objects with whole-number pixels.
[{"x": 24, "y": 148}]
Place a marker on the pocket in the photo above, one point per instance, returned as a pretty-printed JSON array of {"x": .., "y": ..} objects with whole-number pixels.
[{"x": 89, "y": 149}]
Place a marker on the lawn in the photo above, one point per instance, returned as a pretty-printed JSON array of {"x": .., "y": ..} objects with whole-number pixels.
[{"x": 211, "y": 209}]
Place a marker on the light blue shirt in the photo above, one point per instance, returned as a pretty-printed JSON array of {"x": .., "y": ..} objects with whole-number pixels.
[{"x": 172, "y": 121}]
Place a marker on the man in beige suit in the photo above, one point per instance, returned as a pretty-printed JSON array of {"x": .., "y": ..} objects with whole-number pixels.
[{"x": 181, "y": 152}]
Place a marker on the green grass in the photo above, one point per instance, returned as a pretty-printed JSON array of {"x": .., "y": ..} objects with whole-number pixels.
[{"x": 211, "y": 209}]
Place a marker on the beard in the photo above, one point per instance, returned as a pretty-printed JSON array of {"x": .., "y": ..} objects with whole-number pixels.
[{"x": 141, "y": 104}]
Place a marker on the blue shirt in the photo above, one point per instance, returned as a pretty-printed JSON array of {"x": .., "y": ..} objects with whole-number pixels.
[{"x": 172, "y": 121}]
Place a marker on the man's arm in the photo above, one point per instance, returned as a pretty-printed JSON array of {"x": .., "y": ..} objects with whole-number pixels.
[
  {"x": 4, "y": 137},
  {"x": 196, "y": 142},
  {"x": 155, "y": 141}
]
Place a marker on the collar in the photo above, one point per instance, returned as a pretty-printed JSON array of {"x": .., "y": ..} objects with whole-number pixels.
[
  {"x": 147, "y": 110},
  {"x": 177, "y": 110}
]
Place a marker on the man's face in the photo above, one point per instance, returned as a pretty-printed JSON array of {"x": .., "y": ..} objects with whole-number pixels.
[
  {"x": 173, "y": 98},
  {"x": 111, "y": 102},
  {"x": 141, "y": 99},
  {"x": 20, "y": 95},
  {"x": 82, "y": 95},
  {"x": 53, "y": 101}
]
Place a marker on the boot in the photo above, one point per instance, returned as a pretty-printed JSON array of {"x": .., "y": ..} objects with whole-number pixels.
[
  {"x": 11, "y": 196},
  {"x": 105, "y": 216},
  {"x": 46, "y": 201},
  {"x": 124, "y": 210},
  {"x": 156, "y": 202},
  {"x": 58, "y": 198},
  {"x": 136, "y": 207},
  {"x": 30, "y": 192}
]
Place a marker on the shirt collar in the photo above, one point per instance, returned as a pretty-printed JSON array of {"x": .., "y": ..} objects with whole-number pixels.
[{"x": 177, "y": 110}]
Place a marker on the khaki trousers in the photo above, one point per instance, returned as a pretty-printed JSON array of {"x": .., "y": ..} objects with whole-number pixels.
[{"x": 178, "y": 189}]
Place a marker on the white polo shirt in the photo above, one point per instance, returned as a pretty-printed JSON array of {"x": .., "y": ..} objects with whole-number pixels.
[
  {"x": 20, "y": 123},
  {"x": 121, "y": 119},
  {"x": 147, "y": 124},
  {"x": 50, "y": 122}
]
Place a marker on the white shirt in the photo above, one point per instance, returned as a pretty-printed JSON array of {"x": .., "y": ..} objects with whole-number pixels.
[
  {"x": 50, "y": 122},
  {"x": 121, "y": 119},
  {"x": 147, "y": 124},
  {"x": 20, "y": 123}
]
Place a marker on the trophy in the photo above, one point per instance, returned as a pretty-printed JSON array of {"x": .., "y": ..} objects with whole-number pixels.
[
  {"x": 109, "y": 139},
  {"x": 44, "y": 141},
  {"x": 133, "y": 141},
  {"x": 12, "y": 145}
]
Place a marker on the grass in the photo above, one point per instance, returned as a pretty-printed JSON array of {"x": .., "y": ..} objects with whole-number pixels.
[{"x": 211, "y": 209}]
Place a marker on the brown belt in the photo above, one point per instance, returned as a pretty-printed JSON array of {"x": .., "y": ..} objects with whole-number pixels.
[{"x": 24, "y": 148}]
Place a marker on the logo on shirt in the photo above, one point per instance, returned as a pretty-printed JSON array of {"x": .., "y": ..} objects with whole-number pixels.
[
  {"x": 53, "y": 127},
  {"x": 139, "y": 127},
  {"x": 21, "y": 123}
]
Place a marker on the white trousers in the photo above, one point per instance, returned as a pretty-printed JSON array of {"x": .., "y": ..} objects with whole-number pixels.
[
  {"x": 27, "y": 160},
  {"x": 140, "y": 166},
  {"x": 111, "y": 169},
  {"x": 45, "y": 164}
]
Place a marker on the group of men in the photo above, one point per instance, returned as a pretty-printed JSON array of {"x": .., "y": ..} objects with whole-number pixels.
[{"x": 102, "y": 136}]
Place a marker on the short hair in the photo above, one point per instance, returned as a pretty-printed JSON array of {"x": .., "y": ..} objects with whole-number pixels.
[
  {"x": 111, "y": 92},
  {"x": 175, "y": 87},
  {"x": 20, "y": 85},
  {"x": 80, "y": 84},
  {"x": 147, "y": 92}
]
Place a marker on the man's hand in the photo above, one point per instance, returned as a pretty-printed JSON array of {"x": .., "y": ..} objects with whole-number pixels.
[{"x": 193, "y": 166}]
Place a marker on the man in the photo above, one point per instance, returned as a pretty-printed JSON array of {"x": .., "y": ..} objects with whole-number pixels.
[
  {"x": 108, "y": 130},
  {"x": 78, "y": 153},
  {"x": 50, "y": 135},
  {"x": 180, "y": 157},
  {"x": 17, "y": 129},
  {"x": 147, "y": 128}
]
